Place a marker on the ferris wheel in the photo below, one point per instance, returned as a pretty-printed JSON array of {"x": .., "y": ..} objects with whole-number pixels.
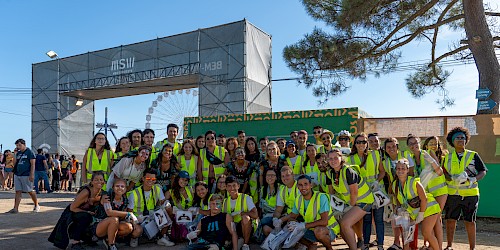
[{"x": 172, "y": 107}]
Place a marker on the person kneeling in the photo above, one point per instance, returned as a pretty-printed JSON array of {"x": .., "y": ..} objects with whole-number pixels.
[
  {"x": 315, "y": 208},
  {"x": 112, "y": 216},
  {"x": 212, "y": 230}
]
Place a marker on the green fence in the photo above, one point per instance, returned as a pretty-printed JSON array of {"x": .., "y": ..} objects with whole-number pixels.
[
  {"x": 278, "y": 124},
  {"x": 488, "y": 188}
]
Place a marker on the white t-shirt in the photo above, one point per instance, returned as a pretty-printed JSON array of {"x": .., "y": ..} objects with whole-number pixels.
[
  {"x": 128, "y": 170},
  {"x": 279, "y": 200},
  {"x": 147, "y": 194},
  {"x": 57, "y": 164},
  {"x": 249, "y": 202},
  {"x": 293, "y": 160}
]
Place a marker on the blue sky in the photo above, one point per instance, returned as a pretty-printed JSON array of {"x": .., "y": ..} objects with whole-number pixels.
[{"x": 31, "y": 28}]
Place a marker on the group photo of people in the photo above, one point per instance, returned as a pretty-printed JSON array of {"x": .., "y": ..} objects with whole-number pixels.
[{"x": 215, "y": 191}]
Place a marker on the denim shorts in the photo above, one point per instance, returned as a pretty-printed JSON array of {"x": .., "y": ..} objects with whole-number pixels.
[
  {"x": 365, "y": 207},
  {"x": 309, "y": 235}
]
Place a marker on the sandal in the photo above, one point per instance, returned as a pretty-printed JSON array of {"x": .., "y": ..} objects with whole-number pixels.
[
  {"x": 448, "y": 248},
  {"x": 395, "y": 247},
  {"x": 373, "y": 243}
]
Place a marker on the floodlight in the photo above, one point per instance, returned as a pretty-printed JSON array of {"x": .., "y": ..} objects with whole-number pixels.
[
  {"x": 79, "y": 102},
  {"x": 52, "y": 54}
]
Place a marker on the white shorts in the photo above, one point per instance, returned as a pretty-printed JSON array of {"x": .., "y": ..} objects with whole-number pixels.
[{"x": 22, "y": 183}]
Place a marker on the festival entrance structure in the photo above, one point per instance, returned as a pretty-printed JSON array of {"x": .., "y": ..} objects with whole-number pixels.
[{"x": 230, "y": 65}]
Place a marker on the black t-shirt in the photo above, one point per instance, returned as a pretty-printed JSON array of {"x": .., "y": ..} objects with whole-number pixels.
[
  {"x": 351, "y": 176},
  {"x": 277, "y": 168},
  {"x": 39, "y": 166},
  {"x": 477, "y": 162},
  {"x": 214, "y": 229},
  {"x": 253, "y": 157},
  {"x": 100, "y": 212}
]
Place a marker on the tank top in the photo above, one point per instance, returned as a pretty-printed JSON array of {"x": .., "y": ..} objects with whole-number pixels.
[{"x": 214, "y": 230}]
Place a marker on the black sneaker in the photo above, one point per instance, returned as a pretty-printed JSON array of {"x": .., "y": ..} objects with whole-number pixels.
[{"x": 76, "y": 246}]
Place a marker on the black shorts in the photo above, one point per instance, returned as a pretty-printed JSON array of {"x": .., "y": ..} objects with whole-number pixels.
[
  {"x": 457, "y": 206},
  {"x": 239, "y": 230}
]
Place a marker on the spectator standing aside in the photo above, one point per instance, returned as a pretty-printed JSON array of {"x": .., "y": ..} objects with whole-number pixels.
[
  {"x": 41, "y": 168},
  {"x": 56, "y": 173},
  {"x": 74, "y": 169},
  {"x": 172, "y": 132},
  {"x": 24, "y": 175}
]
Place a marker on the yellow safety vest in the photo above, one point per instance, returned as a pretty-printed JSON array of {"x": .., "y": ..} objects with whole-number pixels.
[
  {"x": 288, "y": 198},
  {"x": 312, "y": 212},
  {"x": 370, "y": 170},
  {"x": 150, "y": 203},
  {"x": 364, "y": 193},
  {"x": 323, "y": 176},
  {"x": 185, "y": 203},
  {"x": 191, "y": 168},
  {"x": 253, "y": 186},
  {"x": 153, "y": 154},
  {"x": 389, "y": 170},
  {"x": 436, "y": 186},
  {"x": 240, "y": 206},
  {"x": 176, "y": 149},
  {"x": 93, "y": 163},
  {"x": 297, "y": 167},
  {"x": 455, "y": 167},
  {"x": 218, "y": 169},
  {"x": 410, "y": 192},
  {"x": 270, "y": 201}
]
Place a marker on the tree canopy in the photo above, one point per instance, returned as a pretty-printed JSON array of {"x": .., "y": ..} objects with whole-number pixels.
[{"x": 366, "y": 36}]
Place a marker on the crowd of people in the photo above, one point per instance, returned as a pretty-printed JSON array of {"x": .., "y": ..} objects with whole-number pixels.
[{"x": 235, "y": 191}]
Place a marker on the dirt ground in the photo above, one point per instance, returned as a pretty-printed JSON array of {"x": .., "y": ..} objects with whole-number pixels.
[{"x": 28, "y": 230}]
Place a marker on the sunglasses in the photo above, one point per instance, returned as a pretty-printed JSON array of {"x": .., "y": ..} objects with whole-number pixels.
[
  {"x": 317, "y": 132},
  {"x": 459, "y": 138},
  {"x": 361, "y": 142},
  {"x": 326, "y": 138},
  {"x": 343, "y": 139},
  {"x": 150, "y": 178},
  {"x": 210, "y": 138}
]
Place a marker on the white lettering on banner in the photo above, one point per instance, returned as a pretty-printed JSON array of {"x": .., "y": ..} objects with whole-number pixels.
[
  {"x": 216, "y": 65},
  {"x": 122, "y": 63}
]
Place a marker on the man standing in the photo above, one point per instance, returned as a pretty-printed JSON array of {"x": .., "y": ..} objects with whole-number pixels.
[
  {"x": 135, "y": 137},
  {"x": 326, "y": 136},
  {"x": 221, "y": 140},
  {"x": 241, "y": 138},
  {"x": 242, "y": 208},
  {"x": 317, "y": 131},
  {"x": 24, "y": 175},
  {"x": 172, "y": 132},
  {"x": 302, "y": 143},
  {"x": 315, "y": 208},
  {"x": 41, "y": 169},
  {"x": 74, "y": 168},
  {"x": 149, "y": 138}
]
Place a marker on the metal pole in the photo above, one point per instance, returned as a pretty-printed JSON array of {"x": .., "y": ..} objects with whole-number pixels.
[{"x": 106, "y": 122}]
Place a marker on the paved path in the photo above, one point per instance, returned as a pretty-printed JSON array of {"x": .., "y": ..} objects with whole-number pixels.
[{"x": 28, "y": 230}]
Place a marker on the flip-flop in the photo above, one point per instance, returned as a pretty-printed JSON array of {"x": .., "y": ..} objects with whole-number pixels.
[{"x": 373, "y": 243}]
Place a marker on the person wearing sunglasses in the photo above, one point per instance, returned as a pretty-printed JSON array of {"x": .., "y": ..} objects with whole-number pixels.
[
  {"x": 344, "y": 140},
  {"x": 143, "y": 201},
  {"x": 292, "y": 159},
  {"x": 326, "y": 138},
  {"x": 130, "y": 169},
  {"x": 463, "y": 169},
  {"x": 317, "y": 131},
  {"x": 212, "y": 160},
  {"x": 369, "y": 163}
]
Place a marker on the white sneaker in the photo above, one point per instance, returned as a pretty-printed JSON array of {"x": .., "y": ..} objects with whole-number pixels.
[
  {"x": 165, "y": 241},
  {"x": 36, "y": 209},
  {"x": 134, "y": 242},
  {"x": 245, "y": 247}
]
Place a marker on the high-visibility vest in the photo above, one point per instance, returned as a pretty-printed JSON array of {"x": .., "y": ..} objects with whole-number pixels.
[
  {"x": 191, "y": 168},
  {"x": 391, "y": 171},
  {"x": 240, "y": 206},
  {"x": 253, "y": 183},
  {"x": 323, "y": 176},
  {"x": 364, "y": 193},
  {"x": 184, "y": 203},
  {"x": 153, "y": 154},
  {"x": 437, "y": 185},
  {"x": 74, "y": 166},
  {"x": 455, "y": 167},
  {"x": 176, "y": 149},
  {"x": 287, "y": 197},
  {"x": 270, "y": 200},
  {"x": 150, "y": 203},
  {"x": 410, "y": 192},
  {"x": 370, "y": 170},
  {"x": 312, "y": 212},
  {"x": 297, "y": 167},
  {"x": 205, "y": 165},
  {"x": 93, "y": 163}
]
